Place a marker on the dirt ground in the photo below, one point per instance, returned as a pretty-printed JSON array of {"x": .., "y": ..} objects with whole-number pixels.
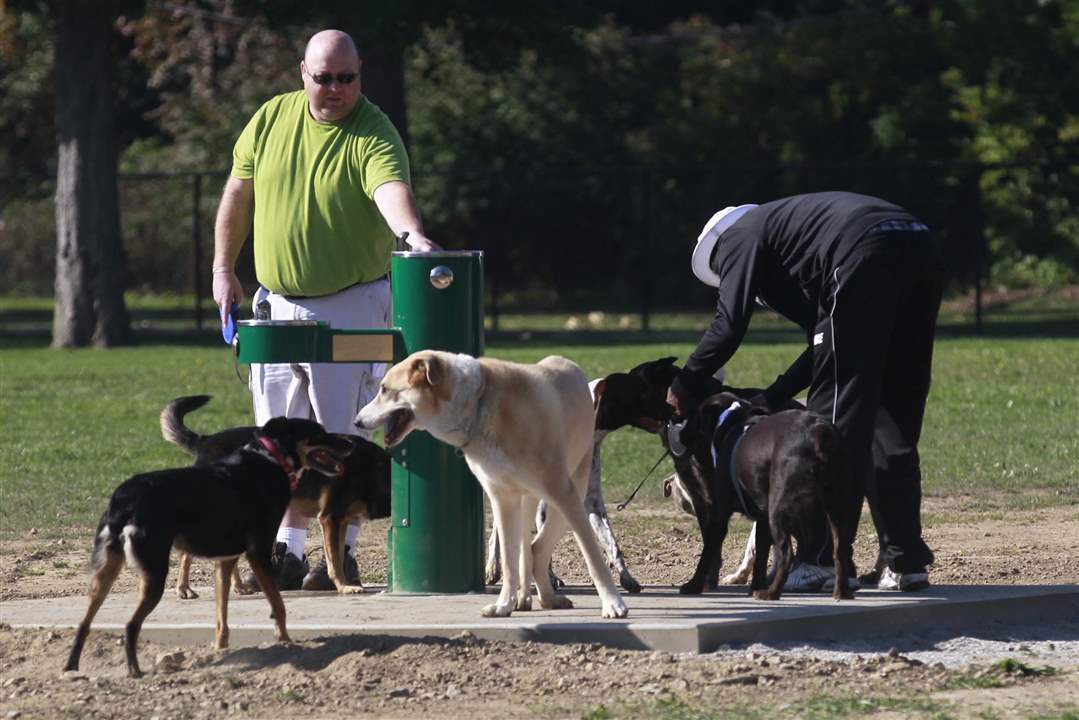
[{"x": 390, "y": 677}]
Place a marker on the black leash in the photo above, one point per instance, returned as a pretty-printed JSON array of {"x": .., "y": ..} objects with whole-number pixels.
[
  {"x": 622, "y": 505},
  {"x": 236, "y": 359}
]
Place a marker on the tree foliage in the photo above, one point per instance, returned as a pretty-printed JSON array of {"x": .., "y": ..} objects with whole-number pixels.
[{"x": 579, "y": 134}]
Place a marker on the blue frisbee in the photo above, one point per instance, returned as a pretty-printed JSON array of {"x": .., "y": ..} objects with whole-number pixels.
[{"x": 228, "y": 330}]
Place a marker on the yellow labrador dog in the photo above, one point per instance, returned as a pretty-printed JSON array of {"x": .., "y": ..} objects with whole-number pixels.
[{"x": 526, "y": 433}]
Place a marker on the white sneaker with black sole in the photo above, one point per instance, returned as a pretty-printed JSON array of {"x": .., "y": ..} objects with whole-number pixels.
[{"x": 902, "y": 582}]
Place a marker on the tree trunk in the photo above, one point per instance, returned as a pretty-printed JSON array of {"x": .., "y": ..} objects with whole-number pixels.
[
  {"x": 384, "y": 85},
  {"x": 89, "y": 303}
]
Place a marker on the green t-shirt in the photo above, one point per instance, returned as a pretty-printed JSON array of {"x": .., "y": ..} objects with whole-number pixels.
[{"x": 317, "y": 229}]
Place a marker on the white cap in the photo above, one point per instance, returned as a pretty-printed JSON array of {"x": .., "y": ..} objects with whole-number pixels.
[{"x": 706, "y": 242}]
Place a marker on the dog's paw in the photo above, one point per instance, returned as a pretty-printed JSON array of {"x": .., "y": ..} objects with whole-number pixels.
[
  {"x": 739, "y": 577},
  {"x": 628, "y": 582},
  {"x": 351, "y": 589},
  {"x": 496, "y": 610},
  {"x": 186, "y": 593},
  {"x": 838, "y": 595},
  {"x": 558, "y": 602},
  {"x": 765, "y": 595},
  {"x": 523, "y": 603},
  {"x": 493, "y": 576},
  {"x": 242, "y": 589},
  {"x": 691, "y": 588},
  {"x": 616, "y": 609}
]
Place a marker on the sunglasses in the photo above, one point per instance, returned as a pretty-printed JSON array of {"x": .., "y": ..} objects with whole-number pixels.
[{"x": 327, "y": 78}]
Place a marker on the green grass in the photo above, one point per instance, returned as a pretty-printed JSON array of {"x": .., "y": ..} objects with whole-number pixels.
[
  {"x": 1067, "y": 711},
  {"x": 1002, "y": 673},
  {"x": 77, "y": 422},
  {"x": 819, "y": 707},
  {"x": 999, "y": 431}
]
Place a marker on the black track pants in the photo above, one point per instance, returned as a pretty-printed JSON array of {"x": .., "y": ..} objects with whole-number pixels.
[{"x": 873, "y": 352}]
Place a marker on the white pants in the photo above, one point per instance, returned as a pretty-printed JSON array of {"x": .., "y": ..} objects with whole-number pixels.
[{"x": 331, "y": 393}]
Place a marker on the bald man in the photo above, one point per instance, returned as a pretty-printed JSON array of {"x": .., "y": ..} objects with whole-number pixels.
[{"x": 323, "y": 177}]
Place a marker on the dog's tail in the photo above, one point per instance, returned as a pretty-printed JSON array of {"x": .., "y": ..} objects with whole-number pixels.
[
  {"x": 826, "y": 442},
  {"x": 829, "y": 451},
  {"x": 172, "y": 422}
]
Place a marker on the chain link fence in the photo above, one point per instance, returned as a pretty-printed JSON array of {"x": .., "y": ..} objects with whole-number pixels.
[{"x": 616, "y": 239}]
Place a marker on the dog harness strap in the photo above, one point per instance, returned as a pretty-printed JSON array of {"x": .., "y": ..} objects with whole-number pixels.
[
  {"x": 748, "y": 506},
  {"x": 280, "y": 459},
  {"x": 751, "y": 508}
]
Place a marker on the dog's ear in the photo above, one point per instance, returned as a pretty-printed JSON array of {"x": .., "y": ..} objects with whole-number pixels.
[
  {"x": 426, "y": 370},
  {"x": 273, "y": 427},
  {"x": 343, "y": 445},
  {"x": 597, "y": 392},
  {"x": 657, "y": 373},
  {"x": 652, "y": 366}
]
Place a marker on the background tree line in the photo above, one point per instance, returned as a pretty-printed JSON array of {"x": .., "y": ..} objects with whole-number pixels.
[{"x": 582, "y": 144}]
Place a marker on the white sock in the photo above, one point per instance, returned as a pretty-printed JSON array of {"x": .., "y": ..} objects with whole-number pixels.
[
  {"x": 352, "y": 533},
  {"x": 295, "y": 538}
]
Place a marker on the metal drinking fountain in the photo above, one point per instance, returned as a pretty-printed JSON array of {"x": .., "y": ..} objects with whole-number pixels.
[{"x": 435, "y": 542}]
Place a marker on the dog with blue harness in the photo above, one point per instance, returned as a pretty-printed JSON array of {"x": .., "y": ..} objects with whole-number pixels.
[{"x": 778, "y": 469}]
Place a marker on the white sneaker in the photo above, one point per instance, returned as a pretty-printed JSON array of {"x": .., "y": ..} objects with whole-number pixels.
[
  {"x": 808, "y": 578},
  {"x": 905, "y": 582}
]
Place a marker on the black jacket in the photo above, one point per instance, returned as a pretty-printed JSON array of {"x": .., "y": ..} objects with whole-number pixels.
[{"x": 785, "y": 253}]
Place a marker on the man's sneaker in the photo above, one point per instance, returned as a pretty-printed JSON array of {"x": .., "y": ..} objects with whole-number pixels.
[
  {"x": 808, "y": 578},
  {"x": 319, "y": 577},
  {"x": 287, "y": 570},
  {"x": 905, "y": 582},
  {"x": 871, "y": 578}
]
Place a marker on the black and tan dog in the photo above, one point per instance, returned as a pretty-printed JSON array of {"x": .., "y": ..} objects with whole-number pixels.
[
  {"x": 363, "y": 489},
  {"x": 779, "y": 469},
  {"x": 219, "y": 510}
]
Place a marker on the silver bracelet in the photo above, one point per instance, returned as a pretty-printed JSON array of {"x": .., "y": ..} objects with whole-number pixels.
[{"x": 220, "y": 269}]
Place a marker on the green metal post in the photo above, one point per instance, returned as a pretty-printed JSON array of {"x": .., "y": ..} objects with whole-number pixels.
[{"x": 436, "y": 533}]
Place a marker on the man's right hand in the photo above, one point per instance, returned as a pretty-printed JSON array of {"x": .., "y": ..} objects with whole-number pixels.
[
  {"x": 227, "y": 290},
  {"x": 674, "y": 401}
]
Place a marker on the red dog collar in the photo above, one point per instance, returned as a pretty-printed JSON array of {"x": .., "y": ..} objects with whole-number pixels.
[{"x": 280, "y": 459}]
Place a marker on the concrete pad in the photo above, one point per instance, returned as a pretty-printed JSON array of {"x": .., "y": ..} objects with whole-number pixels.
[{"x": 660, "y": 619}]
